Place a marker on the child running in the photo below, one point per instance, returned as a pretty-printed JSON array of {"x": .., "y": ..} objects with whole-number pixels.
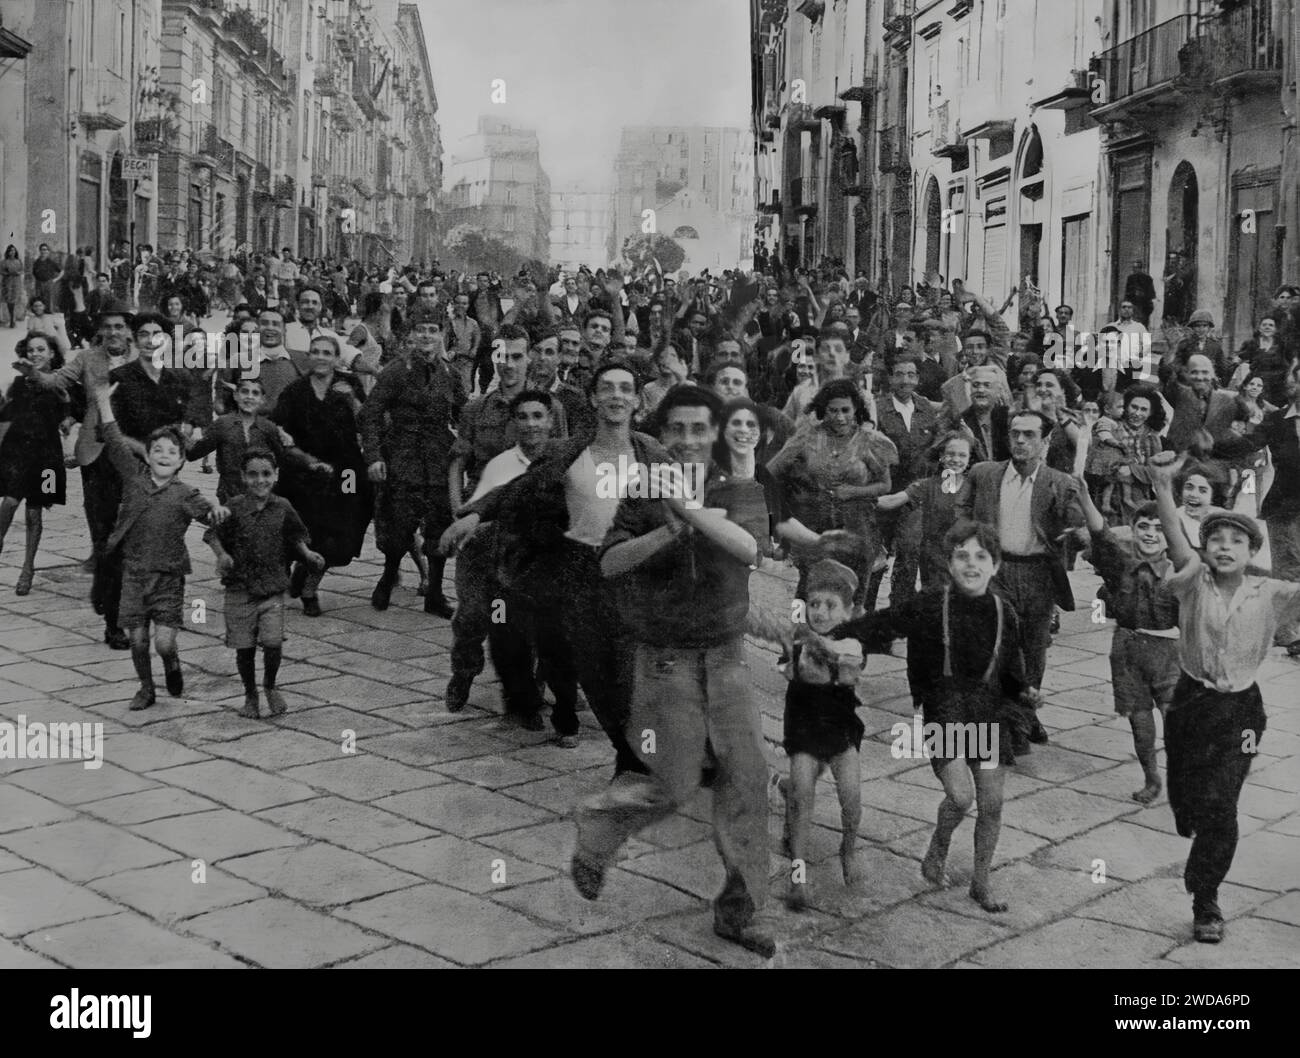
[
  {"x": 822, "y": 727},
  {"x": 935, "y": 499},
  {"x": 1228, "y": 618},
  {"x": 239, "y": 431},
  {"x": 1144, "y": 647},
  {"x": 968, "y": 676},
  {"x": 253, "y": 548},
  {"x": 156, "y": 510}
]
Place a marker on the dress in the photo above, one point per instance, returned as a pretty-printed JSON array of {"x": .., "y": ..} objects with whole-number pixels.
[
  {"x": 820, "y": 718},
  {"x": 11, "y": 281},
  {"x": 31, "y": 451},
  {"x": 337, "y": 508}
]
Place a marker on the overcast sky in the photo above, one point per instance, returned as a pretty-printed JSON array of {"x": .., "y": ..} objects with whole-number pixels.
[{"x": 577, "y": 71}]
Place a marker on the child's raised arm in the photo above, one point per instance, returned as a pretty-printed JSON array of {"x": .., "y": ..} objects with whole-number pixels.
[
  {"x": 1163, "y": 468},
  {"x": 1092, "y": 517}
]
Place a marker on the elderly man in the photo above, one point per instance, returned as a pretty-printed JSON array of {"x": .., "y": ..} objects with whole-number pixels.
[
  {"x": 1198, "y": 404},
  {"x": 976, "y": 352}
]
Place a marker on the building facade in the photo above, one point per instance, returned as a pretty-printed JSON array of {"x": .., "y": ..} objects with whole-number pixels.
[
  {"x": 497, "y": 184},
  {"x": 1198, "y": 106},
  {"x": 581, "y": 221},
  {"x": 657, "y": 164}
]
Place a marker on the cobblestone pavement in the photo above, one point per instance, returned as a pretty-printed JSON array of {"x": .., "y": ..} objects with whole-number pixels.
[{"x": 443, "y": 839}]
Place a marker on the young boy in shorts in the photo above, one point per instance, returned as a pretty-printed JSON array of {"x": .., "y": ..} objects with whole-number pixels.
[
  {"x": 253, "y": 548},
  {"x": 156, "y": 510},
  {"x": 234, "y": 433},
  {"x": 1144, "y": 648},
  {"x": 1228, "y": 618}
]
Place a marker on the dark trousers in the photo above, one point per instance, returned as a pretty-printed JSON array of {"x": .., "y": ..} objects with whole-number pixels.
[
  {"x": 600, "y": 645},
  {"x": 900, "y": 533},
  {"x": 526, "y": 642},
  {"x": 102, "y": 496},
  {"x": 1027, "y": 585},
  {"x": 1207, "y": 747}
]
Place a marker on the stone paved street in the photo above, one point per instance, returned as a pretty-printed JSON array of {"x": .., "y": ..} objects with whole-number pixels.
[{"x": 443, "y": 839}]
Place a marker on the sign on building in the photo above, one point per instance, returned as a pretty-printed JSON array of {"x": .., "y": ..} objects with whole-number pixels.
[{"x": 137, "y": 168}]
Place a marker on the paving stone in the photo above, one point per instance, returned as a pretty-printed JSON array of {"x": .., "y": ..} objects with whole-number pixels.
[
  {"x": 1160, "y": 905},
  {"x": 1059, "y": 812},
  {"x": 468, "y": 812},
  {"x": 1076, "y": 942},
  {"x": 140, "y": 752},
  {"x": 319, "y": 874},
  {"x": 70, "y": 782},
  {"x": 626, "y": 898},
  {"x": 37, "y": 899},
  {"x": 370, "y": 667},
  {"x": 396, "y": 957},
  {"x": 12, "y": 957},
  {"x": 1013, "y": 844},
  {"x": 550, "y": 844},
  {"x": 1249, "y": 943},
  {"x": 278, "y": 749},
  {"x": 493, "y": 773},
  {"x": 330, "y": 721},
  {"x": 213, "y": 836},
  {"x": 36, "y": 637},
  {"x": 911, "y": 936},
  {"x": 694, "y": 868},
  {"x": 126, "y": 941},
  {"x": 280, "y": 934},
  {"x": 476, "y": 867},
  {"x": 20, "y": 809},
  {"x": 1129, "y": 852},
  {"x": 907, "y": 799},
  {"x": 362, "y": 776},
  {"x": 560, "y": 794},
  {"x": 168, "y": 892},
  {"x": 235, "y": 784},
  {"x": 10, "y": 862},
  {"x": 468, "y": 930},
  {"x": 359, "y": 827},
  {"x": 1285, "y": 908},
  {"x": 1283, "y": 775},
  {"x": 1266, "y": 861},
  {"x": 1035, "y": 895},
  {"x": 82, "y": 849},
  {"x": 354, "y": 691},
  {"x": 607, "y": 953},
  {"x": 1261, "y": 802},
  {"x": 692, "y": 932}
]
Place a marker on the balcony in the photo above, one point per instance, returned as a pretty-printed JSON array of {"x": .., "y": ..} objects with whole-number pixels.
[
  {"x": 326, "y": 83},
  {"x": 945, "y": 140},
  {"x": 1243, "y": 49},
  {"x": 1143, "y": 75},
  {"x": 285, "y": 192},
  {"x": 262, "y": 178},
  {"x": 893, "y": 156},
  {"x": 105, "y": 101}
]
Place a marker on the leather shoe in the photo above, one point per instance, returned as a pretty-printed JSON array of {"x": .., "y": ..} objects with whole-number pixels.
[
  {"x": 436, "y": 603},
  {"x": 311, "y": 606},
  {"x": 116, "y": 639},
  {"x": 457, "y": 693},
  {"x": 382, "y": 594},
  {"x": 1038, "y": 733}
]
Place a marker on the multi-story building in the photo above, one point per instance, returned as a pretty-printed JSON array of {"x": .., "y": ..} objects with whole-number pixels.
[
  {"x": 580, "y": 226},
  {"x": 497, "y": 184},
  {"x": 14, "y": 49},
  {"x": 688, "y": 172},
  {"x": 1003, "y": 156},
  {"x": 88, "y": 68},
  {"x": 1198, "y": 104}
]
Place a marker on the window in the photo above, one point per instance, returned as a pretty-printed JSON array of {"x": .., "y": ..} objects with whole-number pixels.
[
  {"x": 122, "y": 58},
  {"x": 508, "y": 220},
  {"x": 91, "y": 33},
  {"x": 306, "y": 126}
]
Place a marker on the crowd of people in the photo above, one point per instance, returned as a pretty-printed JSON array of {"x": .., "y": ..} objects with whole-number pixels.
[{"x": 608, "y": 455}]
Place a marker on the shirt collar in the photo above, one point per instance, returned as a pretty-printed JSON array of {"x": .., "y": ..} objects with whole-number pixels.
[
  {"x": 1292, "y": 412},
  {"x": 901, "y": 407},
  {"x": 1013, "y": 474}
]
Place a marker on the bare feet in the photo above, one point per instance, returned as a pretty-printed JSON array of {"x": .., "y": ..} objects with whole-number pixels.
[
  {"x": 855, "y": 871},
  {"x": 932, "y": 869},
  {"x": 982, "y": 896},
  {"x": 1148, "y": 793}
]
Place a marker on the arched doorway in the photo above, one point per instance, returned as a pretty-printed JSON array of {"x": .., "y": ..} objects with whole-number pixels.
[
  {"x": 933, "y": 225},
  {"x": 1181, "y": 239}
]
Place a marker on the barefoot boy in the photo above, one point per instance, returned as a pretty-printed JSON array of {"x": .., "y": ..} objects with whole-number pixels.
[{"x": 970, "y": 673}]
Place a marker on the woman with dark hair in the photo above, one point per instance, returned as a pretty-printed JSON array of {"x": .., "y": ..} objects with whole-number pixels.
[
  {"x": 173, "y": 308},
  {"x": 31, "y": 451},
  {"x": 734, "y": 454},
  {"x": 11, "y": 282},
  {"x": 333, "y": 496},
  {"x": 72, "y": 289},
  {"x": 41, "y": 321},
  {"x": 1265, "y": 355},
  {"x": 1056, "y": 396},
  {"x": 830, "y": 474},
  {"x": 1120, "y": 447}
]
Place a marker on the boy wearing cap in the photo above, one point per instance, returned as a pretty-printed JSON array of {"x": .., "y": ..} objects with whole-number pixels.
[
  {"x": 822, "y": 728},
  {"x": 1228, "y": 619}
]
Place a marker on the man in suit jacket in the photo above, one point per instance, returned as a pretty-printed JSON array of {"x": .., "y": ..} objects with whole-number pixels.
[
  {"x": 985, "y": 422},
  {"x": 1032, "y": 506},
  {"x": 1280, "y": 509},
  {"x": 1197, "y": 404},
  {"x": 976, "y": 352},
  {"x": 911, "y": 422}
]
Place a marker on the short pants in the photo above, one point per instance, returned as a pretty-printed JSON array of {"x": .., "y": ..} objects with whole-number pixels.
[
  {"x": 1143, "y": 671},
  {"x": 251, "y": 621},
  {"x": 148, "y": 595}
]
